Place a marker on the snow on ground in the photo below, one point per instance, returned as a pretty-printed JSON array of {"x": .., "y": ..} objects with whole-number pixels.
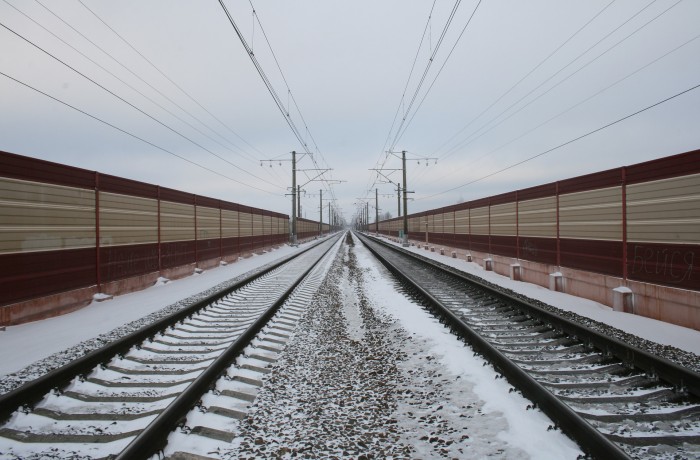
[
  {"x": 646, "y": 328},
  {"x": 369, "y": 374},
  {"x": 39, "y": 339},
  {"x": 527, "y": 430}
]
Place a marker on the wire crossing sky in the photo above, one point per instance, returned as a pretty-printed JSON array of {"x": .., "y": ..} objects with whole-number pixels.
[{"x": 505, "y": 94}]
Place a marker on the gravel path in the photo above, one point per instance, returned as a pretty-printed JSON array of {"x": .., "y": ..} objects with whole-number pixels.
[{"x": 353, "y": 383}]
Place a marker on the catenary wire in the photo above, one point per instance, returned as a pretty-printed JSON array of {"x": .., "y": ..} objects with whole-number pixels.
[
  {"x": 115, "y": 76},
  {"x": 182, "y": 90},
  {"x": 571, "y": 141},
  {"x": 467, "y": 141},
  {"x": 463, "y": 144},
  {"x": 425, "y": 95},
  {"x": 131, "y": 105},
  {"x": 132, "y": 135},
  {"x": 515, "y": 85},
  {"x": 620, "y": 80}
]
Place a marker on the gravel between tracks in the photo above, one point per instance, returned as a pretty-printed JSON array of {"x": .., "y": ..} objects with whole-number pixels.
[{"x": 353, "y": 383}]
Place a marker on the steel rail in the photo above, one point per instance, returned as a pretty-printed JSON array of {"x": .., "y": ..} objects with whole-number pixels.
[
  {"x": 683, "y": 379},
  {"x": 33, "y": 391},
  {"x": 590, "y": 439},
  {"x": 154, "y": 437}
]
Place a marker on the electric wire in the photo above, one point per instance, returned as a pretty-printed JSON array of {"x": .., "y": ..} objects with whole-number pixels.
[
  {"x": 515, "y": 85},
  {"x": 571, "y": 141},
  {"x": 467, "y": 141},
  {"x": 114, "y": 75},
  {"x": 462, "y": 144},
  {"x": 408, "y": 81},
  {"x": 130, "y": 104},
  {"x": 240, "y": 151},
  {"x": 266, "y": 81},
  {"x": 182, "y": 90},
  {"x": 425, "y": 95},
  {"x": 425, "y": 72},
  {"x": 578, "y": 104},
  {"x": 419, "y": 85},
  {"x": 132, "y": 134},
  {"x": 275, "y": 94}
]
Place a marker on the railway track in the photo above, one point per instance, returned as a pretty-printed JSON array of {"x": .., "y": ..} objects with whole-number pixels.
[
  {"x": 198, "y": 369},
  {"x": 615, "y": 400}
]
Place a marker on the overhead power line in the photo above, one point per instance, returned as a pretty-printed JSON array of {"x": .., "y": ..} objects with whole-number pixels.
[
  {"x": 270, "y": 88},
  {"x": 132, "y": 105},
  {"x": 182, "y": 90},
  {"x": 511, "y": 166},
  {"x": 615, "y": 45},
  {"x": 131, "y": 134}
]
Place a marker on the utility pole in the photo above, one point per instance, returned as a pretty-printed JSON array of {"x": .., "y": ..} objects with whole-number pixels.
[
  {"x": 367, "y": 215},
  {"x": 329, "y": 218},
  {"x": 299, "y": 200},
  {"x": 398, "y": 199},
  {"x": 376, "y": 210},
  {"x": 405, "y": 200},
  {"x": 320, "y": 214},
  {"x": 294, "y": 188}
]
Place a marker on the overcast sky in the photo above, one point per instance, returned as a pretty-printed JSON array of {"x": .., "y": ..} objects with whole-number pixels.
[{"x": 523, "y": 77}]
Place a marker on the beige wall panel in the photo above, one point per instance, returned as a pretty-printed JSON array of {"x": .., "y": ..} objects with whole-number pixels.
[
  {"x": 462, "y": 222},
  {"x": 13, "y": 190},
  {"x": 245, "y": 222},
  {"x": 229, "y": 223},
  {"x": 177, "y": 221},
  {"x": 685, "y": 186},
  {"x": 42, "y": 217},
  {"x": 448, "y": 222},
  {"x": 595, "y": 214},
  {"x": 479, "y": 219},
  {"x": 207, "y": 223},
  {"x": 267, "y": 225},
  {"x": 664, "y": 211},
  {"x": 538, "y": 218},
  {"x": 414, "y": 224},
  {"x": 257, "y": 225},
  {"x": 438, "y": 223},
  {"x": 127, "y": 220},
  {"x": 503, "y": 219}
]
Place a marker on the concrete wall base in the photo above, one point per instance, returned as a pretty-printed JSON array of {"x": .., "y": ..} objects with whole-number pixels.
[
  {"x": 623, "y": 299},
  {"x": 69, "y": 301},
  {"x": 516, "y": 272},
  {"x": 556, "y": 282},
  {"x": 671, "y": 305}
]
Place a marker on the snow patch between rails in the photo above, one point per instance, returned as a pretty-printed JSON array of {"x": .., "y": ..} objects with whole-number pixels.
[{"x": 526, "y": 429}]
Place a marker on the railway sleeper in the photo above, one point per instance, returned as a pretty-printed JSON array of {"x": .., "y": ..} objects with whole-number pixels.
[
  {"x": 679, "y": 414},
  {"x": 122, "y": 370},
  {"x": 58, "y": 415},
  {"x": 661, "y": 395},
  {"x": 205, "y": 351},
  {"x": 604, "y": 382},
  {"x": 51, "y": 438},
  {"x": 533, "y": 341},
  {"x": 142, "y": 384}
]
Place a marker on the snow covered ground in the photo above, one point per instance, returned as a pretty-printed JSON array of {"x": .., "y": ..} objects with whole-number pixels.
[
  {"x": 447, "y": 392},
  {"x": 646, "y": 328},
  {"x": 368, "y": 373},
  {"x": 24, "y": 344}
]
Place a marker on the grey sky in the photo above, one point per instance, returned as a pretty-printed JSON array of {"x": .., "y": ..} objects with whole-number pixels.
[{"x": 347, "y": 64}]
